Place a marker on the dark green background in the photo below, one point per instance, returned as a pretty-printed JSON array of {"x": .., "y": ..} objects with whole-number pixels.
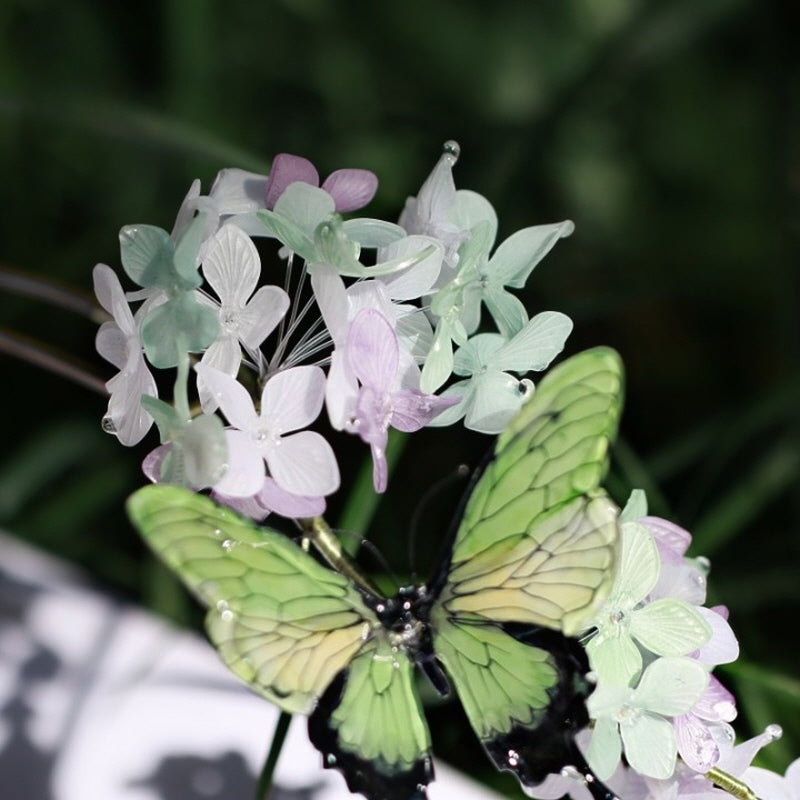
[{"x": 666, "y": 130}]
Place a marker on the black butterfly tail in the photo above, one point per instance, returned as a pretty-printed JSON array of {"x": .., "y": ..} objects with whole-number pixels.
[{"x": 372, "y": 779}]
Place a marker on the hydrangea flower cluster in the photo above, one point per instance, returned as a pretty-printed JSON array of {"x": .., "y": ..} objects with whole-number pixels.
[
  {"x": 369, "y": 318},
  {"x": 378, "y": 323}
]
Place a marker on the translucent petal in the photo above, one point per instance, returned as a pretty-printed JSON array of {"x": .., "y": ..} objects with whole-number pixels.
[
  {"x": 696, "y": 746},
  {"x": 305, "y": 205},
  {"x": 471, "y": 208},
  {"x": 722, "y": 647},
  {"x": 671, "y": 686},
  {"x": 112, "y": 344},
  {"x": 419, "y": 278},
  {"x": 650, "y": 746},
  {"x": 187, "y": 209},
  {"x": 372, "y": 350},
  {"x": 371, "y": 233},
  {"x": 635, "y": 507},
  {"x": 146, "y": 254},
  {"x": 717, "y": 704},
  {"x": 514, "y": 258},
  {"x": 494, "y": 400},
  {"x": 331, "y": 297},
  {"x": 739, "y": 758},
  {"x": 478, "y": 353},
  {"x": 605, "y": 748},
  {"x": 341, "y": 390},
  {"x": 186, "y": 259},
  {"x": 292, "y": 399},
  {"x": 669, "y": 627},
  {"x": 131, "y": 420},
  {"x": 292, "y": 506},
  {"x": 461, "y": 390},
  {"x": 245, "y": 467},
  {"x": 261, "y": 315},
  {"x": 205, "y": 451},
  {"x": 237, "y": 191},
  {"x": 351, "y": 189},
  {"x": 225, "y": 355},
  {"x": 287, "y": 233},
  {"x": 639, "y": 564},
  {"x": 508, "y": 312},
  {"x": 767, "y": 784},
  {"x": 437, "y": 194},
  {"x": 178, "y": 326},
  {"x": 414, "y": 331},
  {"x": 438, "y": 364},
  {"x": 536, "y": 345},
  {"x": 413, "y": 410},
  {"x": 109, "y": 293},
  {"x": 285, "y": 170},
  {"x": 614, "y": 656},
  {"x": 380, "y": 468},
  {"x": 232, "y": 398},
  {"x": 232, "y": 266},
  {"x": 304, "y": 464}
]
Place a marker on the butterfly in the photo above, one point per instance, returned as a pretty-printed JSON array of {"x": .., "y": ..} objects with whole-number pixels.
[{"x": 533, "y": 555}]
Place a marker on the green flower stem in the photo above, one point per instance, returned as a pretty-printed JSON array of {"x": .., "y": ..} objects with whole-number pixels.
[{"x": 278, "y": 739}]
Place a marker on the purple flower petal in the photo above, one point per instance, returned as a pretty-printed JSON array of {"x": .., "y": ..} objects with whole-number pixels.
[
  {"x": 288, "y": 169},
  {"x": 351, "y": 189},
  {"x": 292, "y": 506},
  {"x": 413, "y": 410},
  {"x": 372, "y": 350}
]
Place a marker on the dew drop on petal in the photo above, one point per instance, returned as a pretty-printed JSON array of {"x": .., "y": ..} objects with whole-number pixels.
[
  {"x": 774, "y": 731},
  {"x": 724, "y": 709},
  {"x": 453, "y": 149},
  {"x": 228, "y": 545},
  {"x": 108, "y": 426},
  {"x": 330, "y": 759},
  {"x": 512, "y": 757}
]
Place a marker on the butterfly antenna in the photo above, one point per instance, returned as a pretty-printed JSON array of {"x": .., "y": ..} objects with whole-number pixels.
[
  {"x": 459, "y": 473},
  {"x": 376, "y": 553}
]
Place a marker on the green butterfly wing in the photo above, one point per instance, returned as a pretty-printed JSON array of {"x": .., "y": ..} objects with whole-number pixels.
[
  {"x": 533, "y": 555},
  {"x": 299, "y": 633}
]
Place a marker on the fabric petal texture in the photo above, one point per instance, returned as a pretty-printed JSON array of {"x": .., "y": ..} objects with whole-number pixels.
[{"x": 304, "y": 464}]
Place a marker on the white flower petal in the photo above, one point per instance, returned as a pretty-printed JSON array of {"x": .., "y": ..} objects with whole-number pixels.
[
  {"x": 225, "y": 355},
  {"x": 261, "y": 315},
  {"x": 419, "y": 278},
  {"x": 722, "y": 647},
  {"x": 471, "y": 208},
  {"x": 237, "y": 191},
  {"x": 232, "y": 398},
  {"x": 650, "y": 746},
  {"x": 112, "y": 344},
  {"x": 331, "y": 297},
  {"x": 669, "y": 627},
  {"x": 292, "y": 399},
  {"x": 304, "y": 464},
  {"x": 245, "y": 471},
  {"x": 341, "y": 390},
  {"x": 232, "y": 266},
  {"x": 438, "y": 364}
]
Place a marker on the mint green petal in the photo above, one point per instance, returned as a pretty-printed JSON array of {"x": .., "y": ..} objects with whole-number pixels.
[
  {"x": 635, "y": 508},
  {"x": 650, "y": 746},
  {"x": 508, "y": 312},
  {"x": 516, "y": 257},
  {"x": 470, "y": 209},
  {"x": 305, "y": 205},
  {"x": 496, "y": 397},
  {"x": 180, "y": 325},
  {"x": 165, "y": 416},
  {"x": 371, "y": 233},
  {"x": 438, "y": 364},
  {"x": 615, "y": 658},
  {"x": 146, "y": 254},
  {"x": 671, "y": 686},
  {"x": 477, "y": 353},
  {"x": 605, "y": 748},
  {"x": 331, "y": 246},
  {"x": 639, "y": 564},
  {"x": 669, "y": 627},
  {"x": 287, "y": 233},
  {"x": 538, "y": 342},
  {"x": 205, "y": 451},
  {"x": 185, "y": 259}
]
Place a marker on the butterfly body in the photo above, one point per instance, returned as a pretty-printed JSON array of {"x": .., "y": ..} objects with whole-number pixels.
[{"x": 532, "y": 556}]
